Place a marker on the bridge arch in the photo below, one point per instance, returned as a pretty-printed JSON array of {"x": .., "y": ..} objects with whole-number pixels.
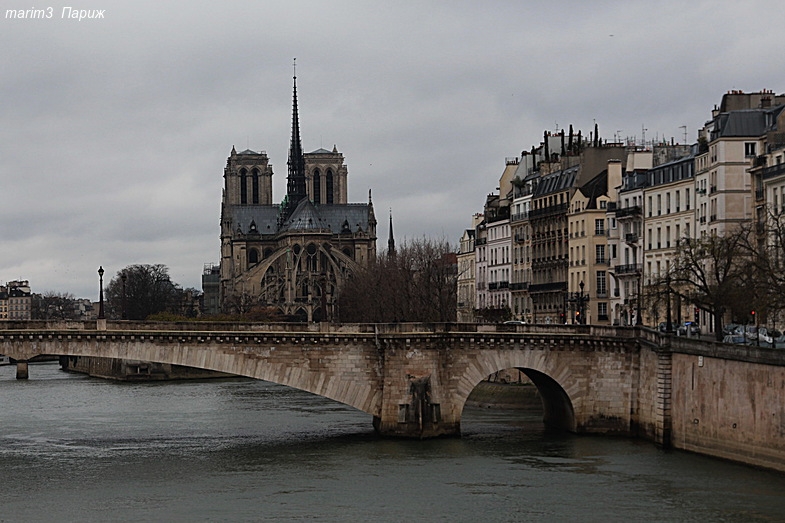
[
  {"x": 550, "y": 375},
  {"x": 340, "y": 368}
]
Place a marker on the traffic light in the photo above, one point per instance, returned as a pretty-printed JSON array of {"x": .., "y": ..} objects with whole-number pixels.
[{"x": 752, "y": 313}]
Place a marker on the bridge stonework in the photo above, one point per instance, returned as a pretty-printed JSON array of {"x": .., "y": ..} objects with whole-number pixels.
[
  {"x": 587, "y": 384},
  {"x": 414, "y": 380}
]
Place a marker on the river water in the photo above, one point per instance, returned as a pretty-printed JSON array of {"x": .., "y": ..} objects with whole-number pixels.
[{"x": 74, "y": 448}]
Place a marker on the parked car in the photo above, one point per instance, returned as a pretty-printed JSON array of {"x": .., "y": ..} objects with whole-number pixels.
[
  {"x": 734, "y": 338},
  {"x": 731, "y": 328},
  {"x": 667, "y": 327},
  {"x": 689, "y": 328},
  {"x": 764, "y": 336}
]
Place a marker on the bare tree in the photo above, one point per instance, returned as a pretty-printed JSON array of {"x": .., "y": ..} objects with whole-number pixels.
[
  {"x": 416, "y": 283},
  {"x": 710, "y": 272},
  {"x": 765, "y": 279},
  {"x": 54, "y": 306}
]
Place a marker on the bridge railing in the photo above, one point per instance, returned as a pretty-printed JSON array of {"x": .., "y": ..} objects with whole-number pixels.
[{"x": 324, "y": 328}]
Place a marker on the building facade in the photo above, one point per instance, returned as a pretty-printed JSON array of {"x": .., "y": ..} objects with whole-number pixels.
[
  {"x": 294, "y": 257},
  {"x": 16, "y": 301},
  {"x": 620, "y": 244}
]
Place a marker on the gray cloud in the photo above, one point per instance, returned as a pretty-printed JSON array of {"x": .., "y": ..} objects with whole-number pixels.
[{"x": 115, "y": 132}]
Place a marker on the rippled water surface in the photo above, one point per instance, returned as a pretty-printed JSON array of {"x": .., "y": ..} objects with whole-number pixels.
[{"x": 74, "y": 448}]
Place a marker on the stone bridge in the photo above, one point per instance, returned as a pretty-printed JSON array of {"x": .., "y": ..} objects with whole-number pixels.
[{"x": 414, "y": 379}]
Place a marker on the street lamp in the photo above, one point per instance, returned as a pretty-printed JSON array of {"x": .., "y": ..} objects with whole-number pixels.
[
  {"x": 101, "y": 293},
  {"x": 582, "y": 304}
]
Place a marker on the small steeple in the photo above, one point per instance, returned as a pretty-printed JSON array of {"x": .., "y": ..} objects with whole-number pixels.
[{"x": 391, "y": 239}]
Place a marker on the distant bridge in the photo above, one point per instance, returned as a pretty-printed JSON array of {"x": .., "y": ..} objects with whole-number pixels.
[{"x": 414, "y": 379}]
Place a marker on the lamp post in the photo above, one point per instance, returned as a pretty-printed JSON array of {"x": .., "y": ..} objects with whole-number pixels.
[
  {"x": 668, "y": 317},
  {"x": 638, "y": 315},
  {"x": 101, "y": 293},
  {"x": 123, "y": 278},
  {"x": 582, "y": 304}
]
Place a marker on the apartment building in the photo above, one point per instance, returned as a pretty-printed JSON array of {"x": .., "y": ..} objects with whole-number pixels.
[
  {"x": 466, "y": 273},
  {"x": 523, "y": 188},
  {"x": 16, "y": 300},
  {"x": 731, "y": 141},
  {"x": 626, "y": 239},
  {"x": 590, "y": 253},
  {"x": 668, "y": 219}
]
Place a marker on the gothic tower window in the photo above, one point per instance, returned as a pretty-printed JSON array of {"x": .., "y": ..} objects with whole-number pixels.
[
  {"x": 243, "y": 187},
  {"x": 253, "y": 257},
  {"x": 317, "y": 187},
  {"x": 329, "y": 186},
  {"x": 255, "y": 185}
]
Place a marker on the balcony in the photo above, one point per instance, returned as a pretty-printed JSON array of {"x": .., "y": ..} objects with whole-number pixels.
[
  {"x": 633, "y": 268},
  {"x": 551, "y": 210},
  {"x": 774, "y": 170},
  {"x": 548, "y": 287},
  {"x": 631, "y": 237},
  {"x": 519, "y": 216},
  {"x": 635, "y": 210},
  {"x": 519, "y": 286}
]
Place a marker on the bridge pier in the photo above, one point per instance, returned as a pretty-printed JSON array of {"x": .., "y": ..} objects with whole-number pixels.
[{"x": 21, "y": 370}]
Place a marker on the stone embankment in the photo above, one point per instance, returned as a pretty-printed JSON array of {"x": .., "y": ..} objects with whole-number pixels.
[
  {"x": 133, "y": 370},
  {"x": 493, "y": 395}
]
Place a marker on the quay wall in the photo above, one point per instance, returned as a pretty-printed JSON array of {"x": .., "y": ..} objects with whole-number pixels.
[{"x": 730, "y": 403}]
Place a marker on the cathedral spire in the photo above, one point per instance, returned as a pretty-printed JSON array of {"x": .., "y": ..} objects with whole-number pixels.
[{"x": 295, "y": 185}]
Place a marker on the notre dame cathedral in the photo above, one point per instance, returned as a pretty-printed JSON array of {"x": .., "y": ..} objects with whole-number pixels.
[{"x": 295, "y": 256}]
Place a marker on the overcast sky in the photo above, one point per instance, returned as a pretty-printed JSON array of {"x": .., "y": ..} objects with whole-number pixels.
[{"x": 115, "y": 131}]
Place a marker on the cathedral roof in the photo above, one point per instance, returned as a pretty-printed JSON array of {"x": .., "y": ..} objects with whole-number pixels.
[
  {"x": 321, "y": 150},
  {"x": 306, "y": 216},
  {"x": 247, "y": 151}
]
